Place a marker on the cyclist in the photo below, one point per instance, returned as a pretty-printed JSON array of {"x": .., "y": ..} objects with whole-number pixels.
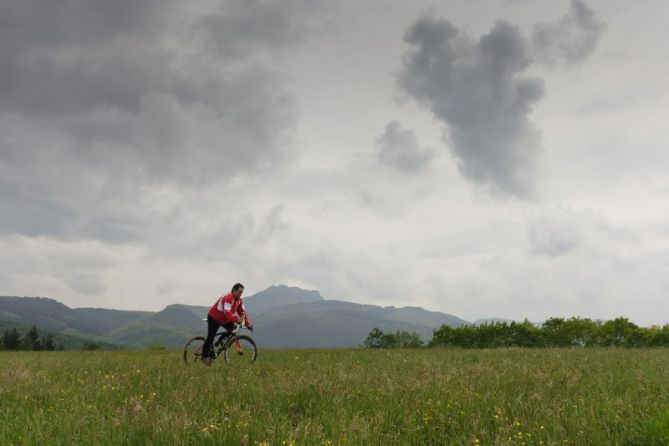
[{"x": 227, "y": 311}]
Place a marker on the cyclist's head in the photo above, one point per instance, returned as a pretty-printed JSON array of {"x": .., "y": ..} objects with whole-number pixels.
[{"x": 237, "y": 290}]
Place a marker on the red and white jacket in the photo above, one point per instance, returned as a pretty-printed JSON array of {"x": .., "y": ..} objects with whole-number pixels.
[{"x": 228, "y": 309}]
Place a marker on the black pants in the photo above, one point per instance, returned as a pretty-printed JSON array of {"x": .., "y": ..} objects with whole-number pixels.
[{"x": 212, "y": 328}]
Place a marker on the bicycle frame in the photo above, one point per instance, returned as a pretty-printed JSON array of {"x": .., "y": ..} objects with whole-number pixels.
[
  {"x": 230, "y": 336},
  {"x": 220, "y": 345}
]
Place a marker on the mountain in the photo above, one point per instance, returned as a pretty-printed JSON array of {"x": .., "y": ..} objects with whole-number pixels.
[
  {"x": 171, "y": 326},
  {"x": 102, "y": 321},
  {"x": 283, "y": 317},
  {"x": 46, "y": 313},
  {"x": 332, "y": 323},
  {"x": 278, "y": 296}
]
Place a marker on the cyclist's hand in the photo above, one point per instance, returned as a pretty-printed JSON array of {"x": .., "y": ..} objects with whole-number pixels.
[{"x": 250, "y": 327}]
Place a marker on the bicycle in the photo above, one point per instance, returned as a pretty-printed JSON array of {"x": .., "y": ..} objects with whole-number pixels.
[{"x": 245, "y": 350}]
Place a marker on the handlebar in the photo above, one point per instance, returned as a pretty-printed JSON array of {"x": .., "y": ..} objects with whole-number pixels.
[{"x": 238, "y": 325}]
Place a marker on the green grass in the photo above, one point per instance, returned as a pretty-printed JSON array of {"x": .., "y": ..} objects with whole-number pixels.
[{"x": 339, "y": 397}]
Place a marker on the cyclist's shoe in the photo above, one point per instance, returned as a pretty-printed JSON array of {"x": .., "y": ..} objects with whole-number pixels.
[
  {"x": 207, "y": 361},
  {"x": 239, "y": 350}
]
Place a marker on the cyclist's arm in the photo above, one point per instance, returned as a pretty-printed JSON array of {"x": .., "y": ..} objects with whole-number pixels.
[{"x": 243, "y": 314}]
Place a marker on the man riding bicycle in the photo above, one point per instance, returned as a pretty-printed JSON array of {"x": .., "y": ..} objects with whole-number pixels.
[{"x": 227, "y": 311}]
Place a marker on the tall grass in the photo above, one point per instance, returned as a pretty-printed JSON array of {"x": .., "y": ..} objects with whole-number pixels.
[{"x": 338, "y": 397}]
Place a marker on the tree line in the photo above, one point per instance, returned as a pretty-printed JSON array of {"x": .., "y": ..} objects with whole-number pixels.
[
  {"x": 554, "y": 332},
  {"x": 32, "y": 340}
]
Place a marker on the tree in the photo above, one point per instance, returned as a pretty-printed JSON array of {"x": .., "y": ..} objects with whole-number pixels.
[
  {"x": 374, "y": 339},
  {"x": 404, "y": 339},
  {"x": 578, "y": 332},
  {"x": 31, "y": 341},
  {"x": 524, "y": 334},
  {"x": 658, "y": 336},
  {"x": 442, "y": 336},
  {"x": 554, "y": 332},
  {"x": 620, "y": 332},
  {"x": 399, "y": 339},
  {"x": 47, "y": 342},
  {"x": 12, "y": 339}
]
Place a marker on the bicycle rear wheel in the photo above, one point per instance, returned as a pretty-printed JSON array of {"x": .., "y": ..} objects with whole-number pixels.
[
  {"x": 241, "y": 352},
  {"x": 193, "y": 350}
]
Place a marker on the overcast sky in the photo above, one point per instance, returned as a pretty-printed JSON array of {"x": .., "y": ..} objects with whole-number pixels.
[{"x": 484, "y": 158}]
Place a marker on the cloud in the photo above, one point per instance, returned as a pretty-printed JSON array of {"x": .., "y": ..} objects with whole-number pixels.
[
  {"x": 482, "y": 90},
  {"x": 242, "y": 28},
  {"x": 561, "y": 231},
  {"x": 105, "y": 102},
  {"x": 554, "y": 235},
  {"x": 479, "y": 90},
  {"x": 399, "y": 149},
  {"x": 69, "y": 57},
  {"x": 88, "y": 284},
  {"x": 571, "y": 40},
  {"x": 146, "y": 93}
]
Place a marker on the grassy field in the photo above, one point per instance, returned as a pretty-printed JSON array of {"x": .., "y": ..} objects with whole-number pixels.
[{"x": 338, "y": 397}]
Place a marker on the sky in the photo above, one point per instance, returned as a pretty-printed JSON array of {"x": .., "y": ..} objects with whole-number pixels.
[{"x": 497, "y": 158}]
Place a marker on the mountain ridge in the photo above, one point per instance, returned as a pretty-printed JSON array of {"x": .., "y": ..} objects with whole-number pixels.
[{"x": 283, "y": 317}]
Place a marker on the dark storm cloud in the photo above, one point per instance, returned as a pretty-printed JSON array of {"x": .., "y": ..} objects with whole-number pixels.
[
  {"x": 69, "y": 56},
  {"x": 482, "y": 90},
  {"x": 569, "y": 41},
  {"x": 120, "y": 95},
  {"x": 98, "y": 68},
  {"x": 479, "y": 90},
  {"x": 399, "y": 148}
]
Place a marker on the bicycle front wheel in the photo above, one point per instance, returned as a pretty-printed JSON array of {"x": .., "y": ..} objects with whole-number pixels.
[
  {"x": 193, "y": 350},
  {"x": 242, "y": 351}
]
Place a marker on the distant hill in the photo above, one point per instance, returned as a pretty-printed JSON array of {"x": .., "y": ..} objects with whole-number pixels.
[
  {"x": 283, "y": 317},
  {"x": 44, "y": 312},
  {"x": 52, "y": 315},
  {"x": 102, "y": 321}
]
